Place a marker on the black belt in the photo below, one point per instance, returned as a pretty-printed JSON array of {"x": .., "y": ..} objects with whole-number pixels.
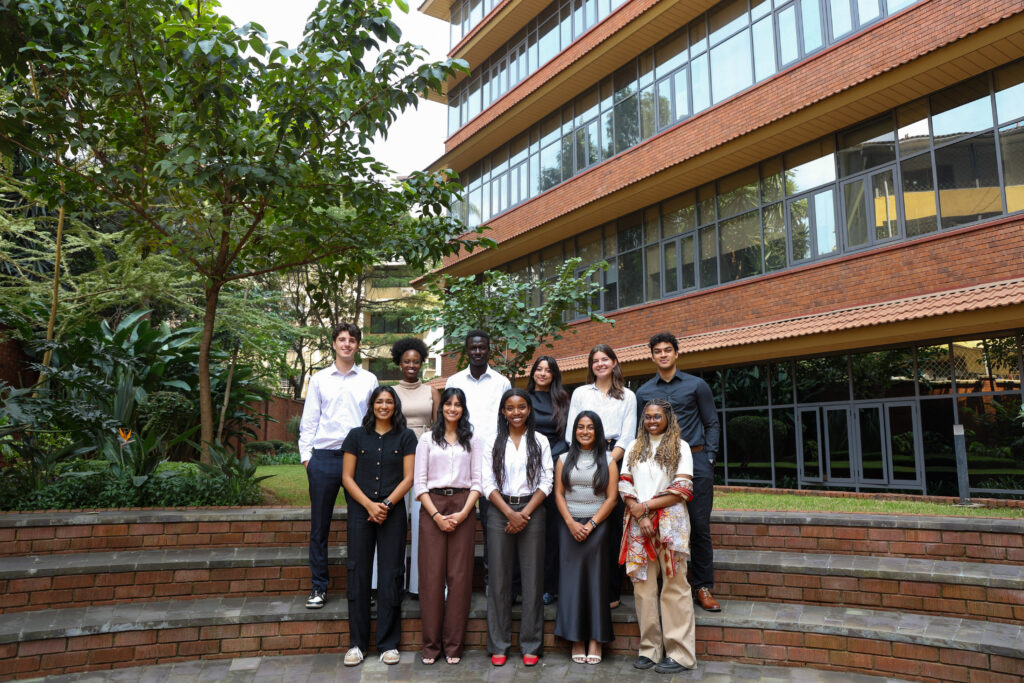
[
  {"x": 447, "y": 492},
  {"x": 517, "y": 500}
]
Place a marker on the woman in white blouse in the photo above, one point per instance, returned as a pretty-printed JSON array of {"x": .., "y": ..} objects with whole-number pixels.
[
  {"x": 517, "y": 476},
  {"x": 447, "y": 482},
  {"x": 606, "y": 394},
  {"x": 656, "y": 481}
]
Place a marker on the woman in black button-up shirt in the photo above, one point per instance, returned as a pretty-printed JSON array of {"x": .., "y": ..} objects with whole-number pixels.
[{"x": 377, "y": 472}]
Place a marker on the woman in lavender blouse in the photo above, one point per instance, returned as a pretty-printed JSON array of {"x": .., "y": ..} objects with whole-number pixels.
[{"x": 447, "y": 481}]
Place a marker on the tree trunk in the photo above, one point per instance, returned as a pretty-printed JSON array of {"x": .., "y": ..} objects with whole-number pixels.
[
  {"x": 205, "y": 395},
  {"x": 55, "y": 296},
  {"x": 231, "y": 375}
]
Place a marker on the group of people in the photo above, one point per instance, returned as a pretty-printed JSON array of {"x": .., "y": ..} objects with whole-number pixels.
[{"x": 572, "y": 498}]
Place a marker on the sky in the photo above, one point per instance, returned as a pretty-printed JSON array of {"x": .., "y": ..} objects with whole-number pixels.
[{"x": 417, "y": 137}]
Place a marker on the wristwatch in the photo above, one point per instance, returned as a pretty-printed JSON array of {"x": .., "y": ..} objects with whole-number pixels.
[
  {"x": 592, "y": 523},
  {"x": 387, "y": 503}
]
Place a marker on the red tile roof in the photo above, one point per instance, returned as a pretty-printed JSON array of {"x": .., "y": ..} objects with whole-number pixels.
[{"x": 989, "y": 295}]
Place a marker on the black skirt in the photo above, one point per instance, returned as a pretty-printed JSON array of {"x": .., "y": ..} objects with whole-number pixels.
[{"x": 583, "y": 611}]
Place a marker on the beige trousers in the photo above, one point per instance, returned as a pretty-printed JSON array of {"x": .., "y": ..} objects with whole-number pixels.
[{"x": 674, "y": 626}]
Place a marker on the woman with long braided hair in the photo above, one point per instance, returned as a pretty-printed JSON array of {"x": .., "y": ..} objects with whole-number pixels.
[
  {"x": 517, "y": 477},
  {"x": 655, "y": 483}
]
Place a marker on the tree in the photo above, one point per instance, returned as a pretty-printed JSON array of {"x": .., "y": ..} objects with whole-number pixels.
[
  {"x": 235, "y": 157},
  {"x": 501, "y": 304}
]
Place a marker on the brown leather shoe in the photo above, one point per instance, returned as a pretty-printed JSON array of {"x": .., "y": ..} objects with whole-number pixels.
[{"x": 703, "y": 597}]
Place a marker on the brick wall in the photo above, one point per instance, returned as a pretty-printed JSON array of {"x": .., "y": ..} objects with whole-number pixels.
[
  {"x": 747, "y": 645},
  {"x": 989, "y": 252},
  {"x": 907, "y": 36},
  {"x": 281, "y": 409}
]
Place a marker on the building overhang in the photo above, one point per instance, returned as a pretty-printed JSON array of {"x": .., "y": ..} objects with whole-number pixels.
[{"x": 702, "y": 148}]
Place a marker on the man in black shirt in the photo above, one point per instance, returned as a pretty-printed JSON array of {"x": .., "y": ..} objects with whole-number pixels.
[{"x": 694, "y": 406}]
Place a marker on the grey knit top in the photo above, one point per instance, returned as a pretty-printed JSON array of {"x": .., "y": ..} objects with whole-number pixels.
[{"x": 581, "y": 500}]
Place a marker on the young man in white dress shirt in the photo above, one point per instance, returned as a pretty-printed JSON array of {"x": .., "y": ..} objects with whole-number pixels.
[
  {"x": 335, "y": 403},
  {"x": 483, "y": 387}
]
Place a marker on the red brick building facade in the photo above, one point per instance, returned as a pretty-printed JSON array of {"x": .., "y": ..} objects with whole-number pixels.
[{"x": 822, "y": 199}]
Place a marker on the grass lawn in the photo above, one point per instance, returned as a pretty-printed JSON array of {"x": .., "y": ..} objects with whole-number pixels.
[
  {"x": 288, "y": 486},
  {"x": 780, "y": 502}
]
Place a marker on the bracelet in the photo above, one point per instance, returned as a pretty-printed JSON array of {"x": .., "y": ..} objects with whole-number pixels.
[
  {"x": 647, "y": 510},
  {"x": 643, "y": 517},
  {"x": 592, "y": 523},
  {"x": 436, "y": 512}
]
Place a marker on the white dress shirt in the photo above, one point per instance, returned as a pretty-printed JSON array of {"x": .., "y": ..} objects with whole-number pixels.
[
  {"x": 516, "y": 483},
  {"x": 482, "y": 398},
  {"x": 618, "y": 415},
  {"x": 335, "y": 403}
]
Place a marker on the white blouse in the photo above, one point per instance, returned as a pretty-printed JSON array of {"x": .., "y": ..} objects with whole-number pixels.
[
  {"x": 516, "y": 482},
  {"x": 618, "y": 415},
  {"x": 648, "y": 476}
]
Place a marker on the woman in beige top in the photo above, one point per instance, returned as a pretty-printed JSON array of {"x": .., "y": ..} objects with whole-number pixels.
[{"x": 419, "y": 406}]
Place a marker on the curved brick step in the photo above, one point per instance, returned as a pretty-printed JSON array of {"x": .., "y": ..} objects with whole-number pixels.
[
  {"x": 919, "y": 647},
  {"x": 963, "y": 539},
  {"x": 968, "y": 589},
  {"x": 474, "y": 666}
]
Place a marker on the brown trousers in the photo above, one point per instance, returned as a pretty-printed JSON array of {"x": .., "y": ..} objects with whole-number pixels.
[{"x": 445, "y": 559}]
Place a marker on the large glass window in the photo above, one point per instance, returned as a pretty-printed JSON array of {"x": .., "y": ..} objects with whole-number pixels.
[
  {"x": 870, "y": 184},
  {"x": 875, "y": 419}
]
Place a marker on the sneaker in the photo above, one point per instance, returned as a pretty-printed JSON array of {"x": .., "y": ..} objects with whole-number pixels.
[
  {"x": 353, "y": 657},
  {"x": 643, "y": 662},
  {"x": 669, "y": 666},
  {"x": 316, "y": 599},
  {"x": 390, "y": 657},
  {"x": 549, "y": 598}
]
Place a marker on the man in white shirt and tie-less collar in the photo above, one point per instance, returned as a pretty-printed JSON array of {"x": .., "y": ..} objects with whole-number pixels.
[
  {"x": 335, "y": 403},
  {"x": 483, "y": 387}
]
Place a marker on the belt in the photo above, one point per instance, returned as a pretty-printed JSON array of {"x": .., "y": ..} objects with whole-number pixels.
[
  {"x": 517, "y": 500},
  {"x": 696, "y": 449},
  {"x": 610, "y": 443},
  {"x": 447, "y": 492}
]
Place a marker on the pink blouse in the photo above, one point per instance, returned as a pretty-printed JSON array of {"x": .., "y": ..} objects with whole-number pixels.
[{"x": 446, "y": 466}]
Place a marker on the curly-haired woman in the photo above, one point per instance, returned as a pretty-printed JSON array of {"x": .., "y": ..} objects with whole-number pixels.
[{"x": 655, "y": 483}]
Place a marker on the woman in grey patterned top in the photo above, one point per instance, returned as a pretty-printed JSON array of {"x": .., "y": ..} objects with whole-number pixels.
[{"x": 586, "y": 490}]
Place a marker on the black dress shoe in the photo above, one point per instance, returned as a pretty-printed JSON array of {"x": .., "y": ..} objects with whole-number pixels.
[
  {"x": 669, "y": 666},
  {"x": 643, "y": 662}
]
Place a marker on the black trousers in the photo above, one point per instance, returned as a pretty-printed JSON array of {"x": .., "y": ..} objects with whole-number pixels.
[
  {"x": 389, "y": 541},
  {"x": 551, "y": 544},
  {"x": 702, "y": 555},
  {"x": 324, "y": 475},
  {"x": 616, "y": 572}
]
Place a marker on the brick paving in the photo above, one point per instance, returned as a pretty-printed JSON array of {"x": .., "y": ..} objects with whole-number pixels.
[{"x": 474, "y": 667}]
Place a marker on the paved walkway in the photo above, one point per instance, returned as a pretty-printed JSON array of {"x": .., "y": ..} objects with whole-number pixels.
[{"x": 475, "y": 666}]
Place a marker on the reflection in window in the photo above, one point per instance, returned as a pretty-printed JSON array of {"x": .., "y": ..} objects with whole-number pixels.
[
  {"x": 918, "y": 196},
  {"x": 884, "y": 190},
  {"x": 748, "y": 446},
  {"x": 708, "y": 257},
  {"x": 810, "y": 166},
  {"x": 1011, "y": 142},
  {"x": 825, "y": 223},
  {"x": 774, "y": 223},
  {"x": 912, "y": 127},
  {"x": 740, "y": 246},
  {"x": 842, "y": 18},
  {"x": 800, "y": 226},
  {"x": 866, "y": 145},
  {"x": 1010, "y": 92},
  {"x": 856, "y": 213},
  {"x": 731, "y": 67},
  {"x": 968, "y": 181},
  {"x": 963, "y": 109}
]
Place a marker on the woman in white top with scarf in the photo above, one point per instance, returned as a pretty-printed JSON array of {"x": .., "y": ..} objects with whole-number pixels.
[{"x": 656, "y": 480}]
